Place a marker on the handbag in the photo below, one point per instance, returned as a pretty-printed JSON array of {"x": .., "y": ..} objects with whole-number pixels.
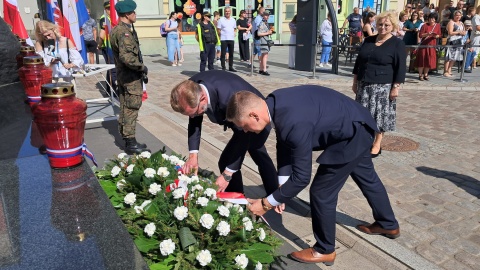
[
  {"x": 247, "y": 35},
  {"x": 456, "y": 42}
]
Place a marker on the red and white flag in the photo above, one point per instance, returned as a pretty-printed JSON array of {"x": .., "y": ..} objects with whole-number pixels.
[
  {"x": 11, "y": 15},
  {"x": 113, "y": 13}
]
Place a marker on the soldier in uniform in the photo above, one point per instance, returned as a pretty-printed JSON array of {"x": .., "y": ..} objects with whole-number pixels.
[{"x": 130, "y": 73}]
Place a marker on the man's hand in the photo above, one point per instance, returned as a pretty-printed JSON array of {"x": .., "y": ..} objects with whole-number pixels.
[
  {"x": 221, "y": 183},
  {"x": 191, "y": 165},
  {"x": 255, "y": 206},
  {"x": 280, "y": 208}
]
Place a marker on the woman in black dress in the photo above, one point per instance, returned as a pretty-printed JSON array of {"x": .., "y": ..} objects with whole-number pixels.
[{"x": 243, "y": 36}]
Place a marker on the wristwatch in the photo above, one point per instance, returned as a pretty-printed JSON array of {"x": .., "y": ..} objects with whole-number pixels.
[
  {"x": 226, "y": 177},
  {"x": 265, "y": 206}
]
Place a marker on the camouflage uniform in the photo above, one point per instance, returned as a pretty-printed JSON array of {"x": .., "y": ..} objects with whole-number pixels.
[{"x": 126, "y": 50}]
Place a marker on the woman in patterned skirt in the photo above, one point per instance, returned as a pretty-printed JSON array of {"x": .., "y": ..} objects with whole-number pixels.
[{"x": 378, "y": 72}]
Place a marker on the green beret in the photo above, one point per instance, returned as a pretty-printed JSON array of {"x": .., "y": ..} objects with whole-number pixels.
[{"x": 125, "y": 6}]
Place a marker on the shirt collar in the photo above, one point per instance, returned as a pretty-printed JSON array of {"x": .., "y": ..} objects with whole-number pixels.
[
  {"x": 271, "y": 120},
  {"x": 208, "y": 95}
]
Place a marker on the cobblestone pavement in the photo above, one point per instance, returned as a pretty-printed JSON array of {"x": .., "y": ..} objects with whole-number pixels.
[{"x": 434, "y": 190}]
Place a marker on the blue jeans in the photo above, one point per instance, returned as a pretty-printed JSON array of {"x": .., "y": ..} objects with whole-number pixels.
[
  {"x": 326, "y": 49},
  {"x": 470, "y": 58},
  {"x": 172, "y": 46}
]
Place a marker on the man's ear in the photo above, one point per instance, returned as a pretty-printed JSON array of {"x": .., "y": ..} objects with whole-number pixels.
[{"x": 254, "y": 115}]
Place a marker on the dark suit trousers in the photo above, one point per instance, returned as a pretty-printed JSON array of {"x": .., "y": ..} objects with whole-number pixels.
[
  {"x": 208, "y": 55},
  {"x": 324, "y": 190},
  {"x": 257, "y": 151},
  {"x": 224, "y": 45}
]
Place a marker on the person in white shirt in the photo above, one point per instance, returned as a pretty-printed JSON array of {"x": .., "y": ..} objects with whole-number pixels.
[{"x": 227, "y": 26}]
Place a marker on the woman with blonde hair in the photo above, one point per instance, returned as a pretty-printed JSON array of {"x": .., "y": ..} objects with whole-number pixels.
[
  {"x": 377, "y": 86},
  {"x": 58, "y": 52}
]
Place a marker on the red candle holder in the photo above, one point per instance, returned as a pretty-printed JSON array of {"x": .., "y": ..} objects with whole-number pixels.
[
  {"x": 23, "y": 42},
  {"x": 24, "y": 51},
  {"x": 33, "y": 74},
  {"x": 60, "y": 118}
]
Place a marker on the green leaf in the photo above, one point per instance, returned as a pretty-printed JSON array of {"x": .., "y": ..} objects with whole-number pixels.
[
  {"x": 259, "y": 252},
  {"x": 164, "y": 265},
  {"x": 146, "y": 244},
  {"x": 151, "y": 208},
  {"x": 134, "y": 180},
  {"x": 109, "y": 187}
]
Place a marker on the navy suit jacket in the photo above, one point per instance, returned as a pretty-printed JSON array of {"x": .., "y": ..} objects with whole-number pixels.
[
  {"x": 311, "y": 117},
  {"x": 221, "y": 86}
]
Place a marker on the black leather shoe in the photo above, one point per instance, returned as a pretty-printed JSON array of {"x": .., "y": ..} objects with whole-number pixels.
[
  {"x": 266, "y": 73},
  {"x": 260, "y": 72},
  {"x": 132, "y": 147},
  {"x": 224, "y": 69},
  {"x": 232, "y": 70}
]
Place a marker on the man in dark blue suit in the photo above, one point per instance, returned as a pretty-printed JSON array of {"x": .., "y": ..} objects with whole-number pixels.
[
  {"x": 208, "y": 93},
  {"x": 307, "y": 118}
]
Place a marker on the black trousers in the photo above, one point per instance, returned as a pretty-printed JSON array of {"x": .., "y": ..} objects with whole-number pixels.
[
  {"x": 258, "y": 152},
  {"x": 324, "y": 190},
  {"x": 208, "y": 55},
  {"x": 243, "y": 48},
  {"x": 230, "y": 45}
]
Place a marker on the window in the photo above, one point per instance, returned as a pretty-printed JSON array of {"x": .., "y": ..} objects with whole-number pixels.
[
  {"x": 149, "y": 8},
  {"x": 290, "y": 10}
]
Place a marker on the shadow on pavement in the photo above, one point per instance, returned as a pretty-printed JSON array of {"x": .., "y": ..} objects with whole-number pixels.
[{"x": 461, "y": 180}]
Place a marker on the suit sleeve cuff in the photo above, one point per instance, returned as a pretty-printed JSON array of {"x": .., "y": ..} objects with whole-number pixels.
[
  {"x": 282, "y": 179},
  {"x": 272, "y": 201},
  {"x": 230, "y": 170},
  {"x": 193, "y": 151}
]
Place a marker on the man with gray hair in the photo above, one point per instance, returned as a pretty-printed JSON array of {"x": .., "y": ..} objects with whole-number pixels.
[{"x": 227, "y": 27}]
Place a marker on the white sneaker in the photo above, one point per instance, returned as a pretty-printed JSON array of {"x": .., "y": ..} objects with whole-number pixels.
[
  {"x": 321, "y": 65},
  {"x": 328, "y": 65},
  {"x": 174, "y": 64}
]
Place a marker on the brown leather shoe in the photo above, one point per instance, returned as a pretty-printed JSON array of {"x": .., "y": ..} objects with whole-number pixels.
[
  {"x": 375, "y": 229},
  {"x": 309, "y": 255}
]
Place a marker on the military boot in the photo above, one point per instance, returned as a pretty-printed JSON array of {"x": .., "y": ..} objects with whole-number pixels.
[
  {"x": 142, "y": 145},
  {"x": 132, "y": 147}
]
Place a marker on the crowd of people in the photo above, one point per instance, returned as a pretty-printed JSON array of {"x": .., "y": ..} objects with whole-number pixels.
[
  {"x": 421, "y": 27},
  {"x": 216, "y": 39}
]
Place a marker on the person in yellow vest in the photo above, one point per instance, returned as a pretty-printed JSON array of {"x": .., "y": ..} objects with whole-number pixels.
[
  {"x": 106, "y": 48},
  {"x": 207, "y": 37}
]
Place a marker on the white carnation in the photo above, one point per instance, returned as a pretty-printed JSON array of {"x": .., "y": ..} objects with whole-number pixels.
[
  {"x": 195, "y": 179},
  {"x": 180, "y": 162},
  {"x": 262, "y": 234},
  {"x": 179, "y": 193},
  {"x": 145, "y": 154},
  {"x": 203, "y": 201},
  {"x": 150, "y": 228},
  {"x": 207, "y": 221},
  {"x": 121, "y": 184},
  {"x": 181, "y": 212},
  {"x": 167, "y": 247},
  {"x": 149, "y": 172},
  {"x": 165, "y": 156},
  {"x": 122, "y": 155},
  {"x": 223, "y": 228},
  {"x": 259, "y": 266},
  {"x": 197, "y": 187},
  {"x": 154, "y": 188},
  {"x": 173, "y": 160},
  {"x": 163, "y": 172},
  {"x": 115, "y": 171},
  {"x": 204, "y": 257},
  {"x": 139, "y": 209},
  {"x": 228, "y": 204},
  {"x": 238, "y": 207},
  {"x": 247, "y": 223},
  {"x": 130, "y": 198},
  {"x": 223, "y": 210},
  {"x": 130, "y": 168},
  {"x": 122, "y": 164},
  {"x": 210, "y": 192},
  {"x": 185, "y": 178},
  {"x": 241, "y": 261}
]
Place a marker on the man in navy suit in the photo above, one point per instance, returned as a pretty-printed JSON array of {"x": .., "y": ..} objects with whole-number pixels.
[
  {"x": 208, "y": 93},
  {"x": 307, "y": 118}
]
